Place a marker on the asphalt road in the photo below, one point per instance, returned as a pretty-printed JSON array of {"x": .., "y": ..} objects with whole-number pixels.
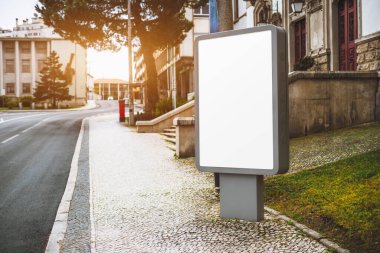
[{"x": 36, "y": 150}]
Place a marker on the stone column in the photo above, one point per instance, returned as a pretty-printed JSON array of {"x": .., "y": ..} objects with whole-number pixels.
[
  {"x": 1, "y": 70},
  {"x": 118, "y": 91},
  {"x": 109, "y": 90},
  {"x": 17, "y": 64},
  {"x": 33, "y": 64}
]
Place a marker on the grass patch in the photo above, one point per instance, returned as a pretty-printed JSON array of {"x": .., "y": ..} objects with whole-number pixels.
[{"x": 341, "y": 200}]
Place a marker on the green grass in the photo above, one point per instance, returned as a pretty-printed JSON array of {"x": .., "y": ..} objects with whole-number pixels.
[{"x": 341, "y": 200}]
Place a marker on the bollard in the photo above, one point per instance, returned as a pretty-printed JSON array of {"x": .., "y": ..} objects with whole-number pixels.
[{"x": 121, "y": 110}]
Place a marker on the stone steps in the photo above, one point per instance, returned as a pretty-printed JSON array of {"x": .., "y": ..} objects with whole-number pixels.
[{"x": 169, "y": 135}]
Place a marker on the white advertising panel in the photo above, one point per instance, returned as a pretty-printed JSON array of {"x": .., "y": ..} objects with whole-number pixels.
[{"x": 238, "y": 111}]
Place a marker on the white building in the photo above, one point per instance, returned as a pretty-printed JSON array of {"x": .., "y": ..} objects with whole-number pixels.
[{"x": 23, "y": 52}]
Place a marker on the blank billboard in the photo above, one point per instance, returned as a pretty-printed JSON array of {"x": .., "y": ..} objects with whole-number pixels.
[{"x": 240, "y": 77}]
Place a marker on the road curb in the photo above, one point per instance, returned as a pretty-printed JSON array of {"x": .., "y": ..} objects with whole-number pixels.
[
  {"x": 312, "y": 233},
  {"x": 60, "y": 224}
]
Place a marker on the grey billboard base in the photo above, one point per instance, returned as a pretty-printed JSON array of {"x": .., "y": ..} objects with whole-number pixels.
[
  {"x": 242, "y": 189},
  {"x": 242, "y": 196}
]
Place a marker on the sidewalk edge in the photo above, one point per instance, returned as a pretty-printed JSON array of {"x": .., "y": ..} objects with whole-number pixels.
[
  {"x": 311, "y": 233},
  {"x": 60, "y": 224}
]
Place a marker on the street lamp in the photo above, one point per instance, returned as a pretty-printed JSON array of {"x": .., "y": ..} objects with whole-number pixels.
[{"x": 296, "y": 5}]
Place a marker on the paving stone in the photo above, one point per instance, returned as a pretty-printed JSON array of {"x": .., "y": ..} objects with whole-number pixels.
[{"x": 146, "y": 200}]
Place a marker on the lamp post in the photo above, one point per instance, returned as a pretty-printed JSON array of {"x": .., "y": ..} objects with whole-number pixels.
[
  {"x": 296, "y": 5},
  {"x": 130, "y": 90}
]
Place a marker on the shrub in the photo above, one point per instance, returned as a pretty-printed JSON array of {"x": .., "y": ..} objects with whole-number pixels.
[
  {"x": 163, "y": 106},
  {"x": 12, "y": 103},
  {"x": 181, "y": 101},
  {"x": 26, "y": 101},
  {"x": 3, "y": 101},
  {"x": 304, "y": 64}
]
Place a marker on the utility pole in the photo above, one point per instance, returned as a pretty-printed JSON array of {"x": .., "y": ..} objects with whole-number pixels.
[
  {"x": 220, "y": 20},
  {"x": 130, "y": 88}
]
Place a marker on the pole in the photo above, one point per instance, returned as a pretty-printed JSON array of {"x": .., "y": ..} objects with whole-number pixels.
[
  {"x": 130, "y": 89},
  {"x": 214, "y": 27}
]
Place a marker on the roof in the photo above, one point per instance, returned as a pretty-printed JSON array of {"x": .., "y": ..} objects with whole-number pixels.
[{"x": 110, "y": 80}]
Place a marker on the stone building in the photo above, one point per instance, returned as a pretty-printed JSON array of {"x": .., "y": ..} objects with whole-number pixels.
[
  {"x": 341, "y": 35},
  {"x": 22, "y": 56}
]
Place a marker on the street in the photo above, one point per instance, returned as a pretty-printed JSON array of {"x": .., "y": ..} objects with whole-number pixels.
[{"x": 36, "y": 150}]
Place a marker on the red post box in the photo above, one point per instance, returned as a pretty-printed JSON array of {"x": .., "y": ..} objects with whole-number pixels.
[{"x": 121, "y": 110}]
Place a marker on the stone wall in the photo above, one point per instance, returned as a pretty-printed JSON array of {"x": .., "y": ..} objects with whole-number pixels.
[
  {"x": 368, "y": 53},
  {"x": 166, "y": 121},
  {"x": 320, "y": 101},
  {"x": 321, "y": 61}
]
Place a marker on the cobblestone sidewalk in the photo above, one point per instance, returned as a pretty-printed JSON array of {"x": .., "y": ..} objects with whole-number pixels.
[
  {"x": 318, "y": 149},
  {"x": 145, "y": 200}
]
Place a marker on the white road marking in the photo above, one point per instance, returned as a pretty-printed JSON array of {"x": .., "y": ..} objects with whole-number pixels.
[
  {"x": 14, "y": 136},
  {"x": 5, "y": 121},
  {"x": 1, "y": 120},
  {"x": 60, "y": 224},
  {"x": 26, "y": 130}
]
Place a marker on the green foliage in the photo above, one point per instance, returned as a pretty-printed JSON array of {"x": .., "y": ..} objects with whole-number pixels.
[
  {"x": 181, "y": 101},
  {"x": 304, "y": 64},
  {"x": 54, "y": 83},
  {"x": 103, "y": 24},
  {"x": 340, "y": 199},
  {"x": 27, "y": 101},
  {"x": 12, "y": 103},
  {"x": 3, "y": 101},
  {"x": 163, "y": 106}
]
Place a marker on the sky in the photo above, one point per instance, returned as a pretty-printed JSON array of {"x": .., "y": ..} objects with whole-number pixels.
[{"x": 99, "y": 63}]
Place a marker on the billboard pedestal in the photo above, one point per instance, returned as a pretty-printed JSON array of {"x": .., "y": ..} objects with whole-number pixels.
[{"x": 242, "y": 196}]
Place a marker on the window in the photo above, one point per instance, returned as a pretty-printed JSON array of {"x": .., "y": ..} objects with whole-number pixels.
[
  {"x": 9, "y": 47},
  {"x": 40, "y": 65},
  {"x": 41, "y": 47},
  {"x": 10, "y": 88},
  {"x": 25, "y": 66},
  {"x": 203, "y": 10},
  {"x": 9, "y": 66},
  {"x": 236, "y": 9},
  {"x": 26, "y": 88},
  {"x": 25, "y": 47},
  {"x": 300, "y": 40}
]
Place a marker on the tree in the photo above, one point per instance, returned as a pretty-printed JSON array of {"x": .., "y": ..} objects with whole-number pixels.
[
  {"x": 103, "y": 24},
  {"x": 54, "y": 83},
  {"x": 225, "y": 15}
]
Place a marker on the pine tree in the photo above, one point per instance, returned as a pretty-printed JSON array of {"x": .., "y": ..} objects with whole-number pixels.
[
  {"x": 54, "y": 83},
  {"x": 103, "y": 24}
]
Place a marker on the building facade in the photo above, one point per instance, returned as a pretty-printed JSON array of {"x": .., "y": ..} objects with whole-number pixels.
[
  {"x": 106, "y": 88},
  {"x": 22, "y": 56},
  {"x": 340, "y": 35},
  {"x": 174, "y": 65}
]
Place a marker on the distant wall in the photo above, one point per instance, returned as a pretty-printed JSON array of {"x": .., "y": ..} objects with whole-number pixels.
[{"x": 320, "y": 101}]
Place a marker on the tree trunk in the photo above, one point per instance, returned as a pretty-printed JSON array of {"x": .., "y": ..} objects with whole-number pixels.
[
  {"x": 225, "y": 15},
  {"x": 151, "y": 82}
]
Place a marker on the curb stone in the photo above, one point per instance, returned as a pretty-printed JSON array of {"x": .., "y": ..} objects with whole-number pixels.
[{"x": 312, "y": 233}]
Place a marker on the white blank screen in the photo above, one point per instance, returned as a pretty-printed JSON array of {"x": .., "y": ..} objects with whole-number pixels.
[{"x": 235, "y": 101}]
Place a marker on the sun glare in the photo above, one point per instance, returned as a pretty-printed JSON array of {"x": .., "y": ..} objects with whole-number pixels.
[{"x": 108, "y": 64}]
